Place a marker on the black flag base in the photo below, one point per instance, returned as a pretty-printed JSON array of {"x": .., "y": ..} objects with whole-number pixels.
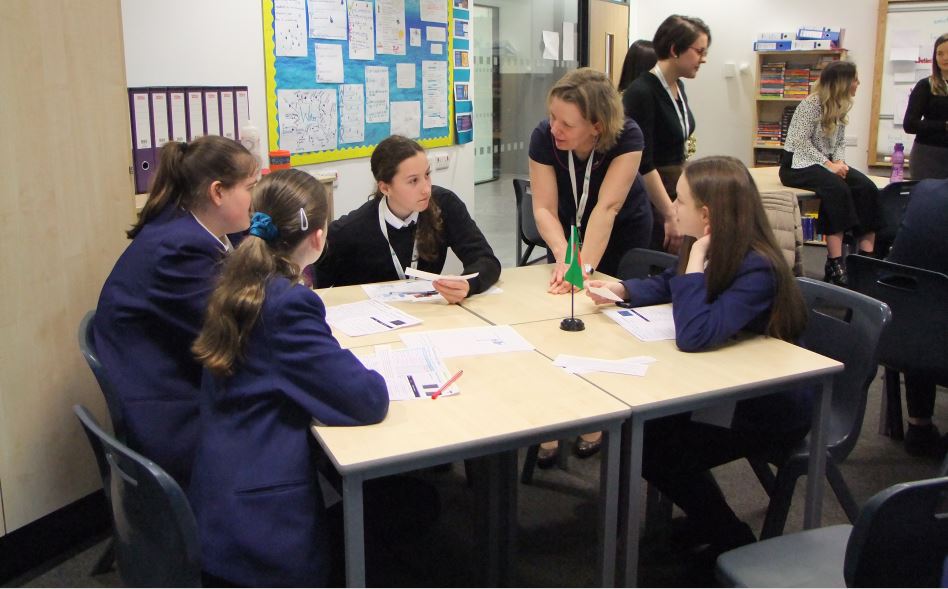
[{"x": 572, "y": 324}]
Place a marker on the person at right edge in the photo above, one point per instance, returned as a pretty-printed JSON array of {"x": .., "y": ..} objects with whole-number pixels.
[
  {"x": 814, "y": 158},
  {"x": 927, "y": 118},
  {"x": 656, "y": 100}
]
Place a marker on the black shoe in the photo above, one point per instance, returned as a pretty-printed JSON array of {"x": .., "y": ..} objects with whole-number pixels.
[
  {"x": 923, "y": 440},
  {"x": 546, "y": 457},
  {"x": 585, "y": 449},
  {"x": 834, "y": 272}
]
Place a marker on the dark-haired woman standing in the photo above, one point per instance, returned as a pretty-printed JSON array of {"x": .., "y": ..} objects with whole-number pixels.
[
  {"x": 927, "y": 117},
  {"x": 152, "y": 304},
  {"x": 409, "y": 222}
]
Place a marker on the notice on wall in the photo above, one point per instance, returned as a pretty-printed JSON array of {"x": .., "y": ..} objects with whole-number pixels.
[
  {"x": 308, "y": 120},
  {"x": 289, "y": 24},
  {"x": 352, "y": 113},
  {"x": 434, "y": 10},
  {"x": 361, "y": 34},
  {"x": 405, "y": 75},
  {"x": 328, "y": 63},
  {"x": 327, "y": 19},
  {"x": 434, "y": 88},
  {"x": 390, "y": 27},
  {"x": 406, "y": 119},
  {"x": 376, "y": 94}
]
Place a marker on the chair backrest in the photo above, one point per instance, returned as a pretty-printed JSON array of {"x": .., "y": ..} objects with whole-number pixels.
[
  {"x": 894, "y": 199},
  {"x": 918, "y": 336},
  {"x": 900, "y": 538},
  {"x": 844, "y": 325},
  {"x": 87, "y": 347},
  {"x": 156, "y": 539},
  {"x": 642, "y": 263},
  {"x": 783, "y": 213},
  {"x": 526, "y": 224}
]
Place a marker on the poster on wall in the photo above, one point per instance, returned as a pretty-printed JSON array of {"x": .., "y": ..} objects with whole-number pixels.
[{"x": 461, "y": 41}]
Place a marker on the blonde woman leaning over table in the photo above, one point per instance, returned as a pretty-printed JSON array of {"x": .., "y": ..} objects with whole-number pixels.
[
  {"x": 735, "y": 279},
  {"x": 584, "y": 164}
]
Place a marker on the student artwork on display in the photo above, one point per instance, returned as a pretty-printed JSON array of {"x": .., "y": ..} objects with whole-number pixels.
[{"x": 341, "y": 75}]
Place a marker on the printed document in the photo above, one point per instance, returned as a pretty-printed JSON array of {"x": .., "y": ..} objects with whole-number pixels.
[
  {"x": 410, "y": 373},
  {"x": 470, "y": 341},
  {"x": 365, "y": 317},
  {"x": 649, "y": 324}
]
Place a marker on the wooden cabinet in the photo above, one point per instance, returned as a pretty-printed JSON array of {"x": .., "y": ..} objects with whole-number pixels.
[{"x": 784, "y": 78}]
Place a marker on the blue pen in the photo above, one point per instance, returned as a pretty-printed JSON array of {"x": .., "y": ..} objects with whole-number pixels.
[{"x": 640, "y": 316}]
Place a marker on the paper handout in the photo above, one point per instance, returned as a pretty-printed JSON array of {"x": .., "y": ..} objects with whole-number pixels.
[
  {"x": 416, "y": 273},
  {"x": 365, "y": 317},
  {"x": 649, "y": 324},
  {"x": 605, "y": 293},
  {"x": 470, "y": 341},
  {"x": 411, "y": 373}
]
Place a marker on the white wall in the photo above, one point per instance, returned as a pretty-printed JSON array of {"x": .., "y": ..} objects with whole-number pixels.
[
  {"x": 220, "y": 43},
  {"x": 724, "y": 107}
]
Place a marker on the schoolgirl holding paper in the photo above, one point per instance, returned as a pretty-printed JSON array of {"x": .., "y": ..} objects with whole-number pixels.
[
  {"x": 735, "y": 278},
  {"x": 271, "y": 366},
  {"x": 152, "y": 304},
  {"x": 409, "y": 222}
]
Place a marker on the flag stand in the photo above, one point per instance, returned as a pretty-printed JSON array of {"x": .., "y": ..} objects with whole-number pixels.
[
  {"x": 573, "y": 276},
  {"x": 572, "y": 323}
]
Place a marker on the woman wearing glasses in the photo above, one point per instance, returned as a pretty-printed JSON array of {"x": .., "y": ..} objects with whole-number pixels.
[{"x": 657, "y": 102}]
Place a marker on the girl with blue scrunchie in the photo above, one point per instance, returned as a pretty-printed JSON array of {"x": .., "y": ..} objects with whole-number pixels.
[{"x": 271, "y": 365}]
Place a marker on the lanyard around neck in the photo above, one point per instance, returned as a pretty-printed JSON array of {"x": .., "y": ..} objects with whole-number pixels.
[
  {"x": 682, "y": 114},
  {"x": 383, "y": 202},
  {"x": 580, "y": 200}
]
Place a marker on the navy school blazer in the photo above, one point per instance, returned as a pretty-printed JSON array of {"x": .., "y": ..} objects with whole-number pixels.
[
  {"x": 150, "y": 311},
  {"x": 254, "y": 491}
]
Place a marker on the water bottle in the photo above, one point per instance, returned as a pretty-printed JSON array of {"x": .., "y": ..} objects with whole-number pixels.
[{"x": 898, "y": 163}]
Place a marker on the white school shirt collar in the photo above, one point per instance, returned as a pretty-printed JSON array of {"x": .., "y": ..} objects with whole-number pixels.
[
  {"x": 393, "y": 220},
  {"x": 225, "y": 243}
]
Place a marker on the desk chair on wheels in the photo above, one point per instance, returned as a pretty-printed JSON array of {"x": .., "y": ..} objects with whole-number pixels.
[
  {"x": 846, "y": 326},
  {"x": 156, "y": 538},
  {"x": 527, "y": 231}
]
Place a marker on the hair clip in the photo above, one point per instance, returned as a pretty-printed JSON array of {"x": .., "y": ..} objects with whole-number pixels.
[{"x": 304, "y": 222}]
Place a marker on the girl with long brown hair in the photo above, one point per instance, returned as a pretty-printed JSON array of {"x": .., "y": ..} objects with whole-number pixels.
[
  {"x": 733, "y": 278},
  {"x": 271, "y": 367},
  {"x": 152, "y": 304},
  {"x": 408, "y": 222}
]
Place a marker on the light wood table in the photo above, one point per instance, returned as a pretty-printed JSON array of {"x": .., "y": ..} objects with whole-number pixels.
[
  {"x": 768, "y": 179},
  {"x": 750, "y": 366},
  {"x": 507, "y": 401},
  {"x": 525, "y": 298},
  {"x": 433, "y": 316}
]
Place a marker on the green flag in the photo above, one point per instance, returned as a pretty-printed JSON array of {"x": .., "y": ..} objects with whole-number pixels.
[{"x": 574, "y": 265}]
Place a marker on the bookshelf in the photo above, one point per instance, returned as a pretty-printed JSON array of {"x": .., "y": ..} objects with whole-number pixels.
[{"x": 784, "y": 78}]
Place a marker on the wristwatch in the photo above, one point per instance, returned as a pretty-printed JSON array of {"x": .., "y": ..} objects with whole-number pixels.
[{"x": 588, "y": 269}]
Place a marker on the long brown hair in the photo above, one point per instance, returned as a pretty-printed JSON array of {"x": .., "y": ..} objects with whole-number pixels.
[
  {"x": 597, "y": 100},
  {"x": 937, "y": 80},
  {"x": 738, "y": 226},
  {"x": 835, "y": 96},
  {"x": 238, "y": 297},
  {"x": 187, "y": 170},
  {"x": 387, "y": 156}
]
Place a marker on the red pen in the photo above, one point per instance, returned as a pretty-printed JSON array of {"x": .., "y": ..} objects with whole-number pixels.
[{"x": 447, "y": 384}]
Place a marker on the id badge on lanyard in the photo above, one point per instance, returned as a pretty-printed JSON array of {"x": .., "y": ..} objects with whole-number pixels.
[
  {"x": 682, "y": 114},
  {"x": 584, "y": 198},
  {"x": 391, "y": 250}
]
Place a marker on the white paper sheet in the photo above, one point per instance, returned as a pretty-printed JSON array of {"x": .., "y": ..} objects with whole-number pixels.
[
  {"x": 352, "y": 113},
  {"x": 329, "y": 68},
  {"x": 649, "y": 324},
  {"x": 289, "y": 27},
  {"x": 361, "y": 30},
  {"x": 390, "y": 27},
  {"x": 470, "y": 341},
  {"x": 569, "y": 41},
  {"x": 416, "y": 273},
  {"x": 308, "y": 120},
  {"x": 904, "y": 54},
  {"x": 414, "y": 37},
  {"x": 365, "y": 317},
  {"x": 327, "y": 19},
  {"x": 434, "y": 93},
  {"x": 604, "y": 293},
  {"x": 632, "y": 366},
  {"x": 406, "y": 119},
  {"x": 436, "y": 34},
  {"x": 434, "y": 10},
  {"x": 407, "y": 291},
  {"x": 551, "y": 45},
  {"x": 376, "y": 94},
  {"x": 405, "y": 75},
  {"x": 411, "y": 373},
  {"x": 436, "y": 49}
]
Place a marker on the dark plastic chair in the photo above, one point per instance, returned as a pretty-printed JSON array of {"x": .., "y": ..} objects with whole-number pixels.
[
  {"x": 156, "y": 538},
  {"x": 846, "y": 326},
  {"x": 642, "y": 263},
  {"x": 918, "y": 337},
  {"x": 527, "y": 231},
  {"x": 899, "y": 540},
  {"x": 894, "y": 199}
]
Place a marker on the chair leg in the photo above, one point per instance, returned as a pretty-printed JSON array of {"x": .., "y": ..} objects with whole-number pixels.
[
  {"x": 469, "y": 472},
  {"x": 105, "y": 562},
  {"x": 780, "y": 499},
  {"x": 891, "y": 410},
  {"x": 841, "y": 489},
  {"x": 658, "y": 513},
  {"x": 529, "y": 464},
  {"x": 764, "y": 474},
  {"x": 523, "y": 260}
]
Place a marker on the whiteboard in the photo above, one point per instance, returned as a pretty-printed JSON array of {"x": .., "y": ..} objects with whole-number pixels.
[{"x": 910, "y": 32}]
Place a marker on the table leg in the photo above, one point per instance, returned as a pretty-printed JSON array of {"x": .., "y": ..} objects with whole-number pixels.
[
  {"x": 814, "y": 484},
  {"x": 609, "y": 503},
  {"x": 495, "y": 492},
  {"x": 630, "y": 500},
  {"x": 354, "y": 530}
]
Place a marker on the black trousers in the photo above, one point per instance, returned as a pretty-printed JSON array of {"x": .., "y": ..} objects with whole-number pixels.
[
  {"x": 920, "y": 393},
  {"x": 846, "y": 204},
  {"x": 677, "y": 457}
]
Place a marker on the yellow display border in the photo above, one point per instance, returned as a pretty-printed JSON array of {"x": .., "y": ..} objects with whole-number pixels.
[{"x": 317, "y": 157}]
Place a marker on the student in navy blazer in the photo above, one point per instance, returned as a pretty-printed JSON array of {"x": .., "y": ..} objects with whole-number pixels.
[
  {"x": 271, "y": 366},
  {"x": 733, "y": 278},
  {"x": 152, "y": 304}
]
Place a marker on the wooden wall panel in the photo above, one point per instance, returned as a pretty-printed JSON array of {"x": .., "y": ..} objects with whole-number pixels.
[
  {"x": 608, "y": 18},
  {"x": 66, "y": 199}
]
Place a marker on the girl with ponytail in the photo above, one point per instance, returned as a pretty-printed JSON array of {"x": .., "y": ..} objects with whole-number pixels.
[
  {"x": 152, "y": 304},
  {"x": 271, "y": 367}
]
